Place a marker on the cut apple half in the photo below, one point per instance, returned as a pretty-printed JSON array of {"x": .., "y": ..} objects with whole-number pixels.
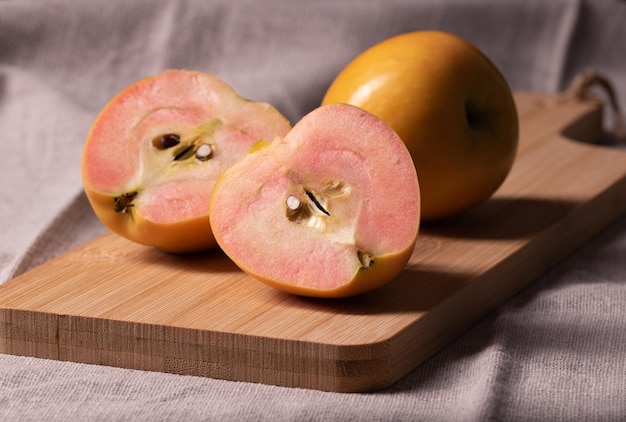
[
  {"x": 330, "y": 210},
  {"x": 155, "y": 151}
]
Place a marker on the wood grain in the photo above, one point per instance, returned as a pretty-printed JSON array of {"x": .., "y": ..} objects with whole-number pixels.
[{"x": 112, "y": 302}]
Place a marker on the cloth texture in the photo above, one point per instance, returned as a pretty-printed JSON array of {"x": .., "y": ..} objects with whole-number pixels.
[{"x": 556, "y": 351}]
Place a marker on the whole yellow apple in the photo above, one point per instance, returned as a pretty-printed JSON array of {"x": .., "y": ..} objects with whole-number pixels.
[{"x": 451, "y": 106}]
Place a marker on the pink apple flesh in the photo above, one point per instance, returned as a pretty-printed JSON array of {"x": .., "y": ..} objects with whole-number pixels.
[{"x": 330, "y": 210}]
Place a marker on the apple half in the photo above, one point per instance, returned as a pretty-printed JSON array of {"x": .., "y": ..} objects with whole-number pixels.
[
  {"x": 154, "y": 152},
  {"x": 330, "y": 210}
]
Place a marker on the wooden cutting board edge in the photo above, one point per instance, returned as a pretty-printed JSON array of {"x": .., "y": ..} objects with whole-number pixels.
[{"x": 558, "y": 241}]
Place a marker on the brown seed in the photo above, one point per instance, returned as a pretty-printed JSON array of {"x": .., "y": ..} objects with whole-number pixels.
[{"x": 166, "y": 141}]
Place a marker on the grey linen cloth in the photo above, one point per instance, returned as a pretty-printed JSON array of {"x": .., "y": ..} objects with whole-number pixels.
[{"x": 556, "y": 351}]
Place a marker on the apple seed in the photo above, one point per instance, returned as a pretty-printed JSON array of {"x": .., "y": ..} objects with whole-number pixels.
[
  {"x": 316, "y": 202},
  {"x": 124, "y": 201},
  {"x": 366, "y": 259},
  {"x": 293, "y": 203},
  {"x": 166, "y": 141},
  {"x": 204, "y": 152},
  {"x": 294, "y": 208},
  {"x": 298, "y": 209},
  {"x": 183, "y": 153}
]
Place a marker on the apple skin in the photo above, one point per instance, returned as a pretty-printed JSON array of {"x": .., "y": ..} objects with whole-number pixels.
[
  {"x": 450, "y": 105},
  {"x": 121, "y": 155},
  {"x": 363, "y": 176}
]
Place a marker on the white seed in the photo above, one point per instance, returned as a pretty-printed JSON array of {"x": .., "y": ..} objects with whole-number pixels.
[
  {"x": 295, "y": 210},
  {"x": 204, "y": 152},
  {"x": 293, "y": 203}
]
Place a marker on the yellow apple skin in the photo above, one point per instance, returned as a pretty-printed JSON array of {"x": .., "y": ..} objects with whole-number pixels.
[
  {"x": 387, "y": 268},
  {"x": 185, "y": 236},
  {"x": 450, "y": 105}
]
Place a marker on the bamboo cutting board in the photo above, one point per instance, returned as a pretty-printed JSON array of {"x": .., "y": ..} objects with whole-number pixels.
[{"x": 112, "y": 302}]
